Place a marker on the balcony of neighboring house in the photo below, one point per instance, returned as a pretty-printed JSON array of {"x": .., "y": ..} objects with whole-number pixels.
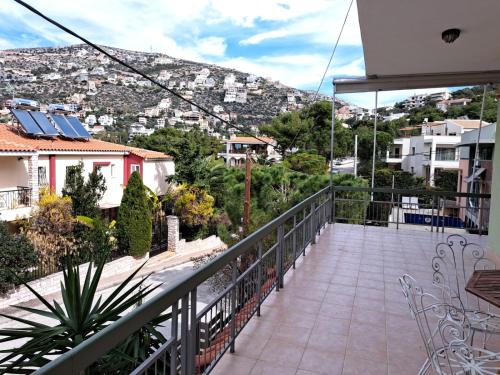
[
  {"x": 302, "y": 296},
  {"x": 236, "y": 150},
  {"x": 394, "y": 155},
  {"x": 16, "y": 195}
]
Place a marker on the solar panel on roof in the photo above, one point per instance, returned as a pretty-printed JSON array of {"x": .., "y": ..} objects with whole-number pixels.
[
  {"x": 64, "y": 126},
  {"x": 78, "y": 127},
  {"x": 44, "y": 124},
  {"x": 26, "y": 121}
]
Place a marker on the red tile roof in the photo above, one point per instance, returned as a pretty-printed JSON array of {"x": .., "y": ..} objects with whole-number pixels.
[
  {"x": 12, "y": 140},
  {"x": 251, "y": 140}
]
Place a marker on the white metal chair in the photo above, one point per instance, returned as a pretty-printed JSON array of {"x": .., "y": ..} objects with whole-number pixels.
[
  {"x": 446, "y": 333},
  {"x": 454, "y": 262}
]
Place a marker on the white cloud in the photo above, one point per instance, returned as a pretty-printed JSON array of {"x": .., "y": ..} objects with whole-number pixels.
[
  {"x": 295, "y": 70},
  {"x": 259, "y": 38},
  {"x": 212, "y": 46},
  {"x": 322, "y": 26}
]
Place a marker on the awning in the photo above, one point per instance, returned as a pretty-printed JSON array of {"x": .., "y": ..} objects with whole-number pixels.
[
  {"x": 476, "y": 174},
  {"x": 417, "y": 81}
]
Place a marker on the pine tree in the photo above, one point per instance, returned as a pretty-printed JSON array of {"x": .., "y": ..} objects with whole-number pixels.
[{"x": 134, "y": 227}]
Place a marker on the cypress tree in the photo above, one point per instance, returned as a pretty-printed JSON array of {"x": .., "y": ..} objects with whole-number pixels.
[{"x": 134, "y": 227}]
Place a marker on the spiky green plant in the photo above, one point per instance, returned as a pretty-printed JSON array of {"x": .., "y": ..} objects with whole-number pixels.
[{"x": 82, "y": 314}]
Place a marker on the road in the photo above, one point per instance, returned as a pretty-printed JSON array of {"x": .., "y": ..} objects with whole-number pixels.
[{"x": 346, "y": 166}]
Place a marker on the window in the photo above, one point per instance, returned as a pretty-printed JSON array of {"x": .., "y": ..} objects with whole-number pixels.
[
  {"x": 135, "y": 168},
  {"x": 112, "y": 170},
  {"x": 42, "y": 177},
  {"x": 412, "y": 170}
]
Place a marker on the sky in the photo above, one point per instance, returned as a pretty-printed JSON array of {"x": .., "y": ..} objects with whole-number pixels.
[{"x": 287, "y": 40}]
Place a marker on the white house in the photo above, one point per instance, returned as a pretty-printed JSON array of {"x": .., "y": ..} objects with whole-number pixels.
[
  {"x": 28, "y": 164},
  {"x": 236, "y": 148},
  {"x": 433, "y": 150},
  {"x": 106, "y": 120}
]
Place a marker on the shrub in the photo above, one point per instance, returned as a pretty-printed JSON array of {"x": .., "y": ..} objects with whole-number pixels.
[
  {"x": 16, "y": 256},
  {"x": 194, "y": 207},
  {"x": 134, "y": 226},
  {"x": 50, "y": 229}
]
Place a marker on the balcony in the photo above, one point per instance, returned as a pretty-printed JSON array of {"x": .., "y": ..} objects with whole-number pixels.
[
  {"x": 15, "y": 202},
  {"x": 341, "y": 311},
  {"x": 303, "y": 296}
]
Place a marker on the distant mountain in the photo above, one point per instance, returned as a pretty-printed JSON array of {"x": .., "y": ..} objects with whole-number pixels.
[{"x": 80, "y": 75}]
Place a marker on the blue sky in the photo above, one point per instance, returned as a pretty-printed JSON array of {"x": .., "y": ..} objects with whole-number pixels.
[{"x": 288, "y": 40}]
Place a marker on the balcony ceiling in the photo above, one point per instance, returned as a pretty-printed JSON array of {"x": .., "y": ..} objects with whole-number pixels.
[{"x": 402, "y": 38}]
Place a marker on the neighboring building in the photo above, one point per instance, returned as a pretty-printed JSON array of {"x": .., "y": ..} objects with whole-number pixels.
[
  {"x": 398, "y": 154},
  {"x": 139, "y": 129},
  {"x": 236, "y": 148},
  {"x": 482, "y": 175},
  {"x": 419, "y": 100},
  {"x": 424, "y": 155},
  {"x": 443, "y": 105},
  {"x": 395, "y": 116},
  {"x": 28, "y": 164}
]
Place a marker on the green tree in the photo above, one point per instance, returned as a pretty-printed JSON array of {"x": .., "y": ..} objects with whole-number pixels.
[
  {"x": 189, "y": 150},
  {"x": 16, "y": 256},
  {"x": 446, "y": 180},
  {"x": 134, "y": 224},
  {"x": 85, "y": 195},
  {"x": 365, "y": 142},
  {"x": 306, "y": 162},
  {"x": 429, "y": 112},
  {"x": 285, "y": 129}
]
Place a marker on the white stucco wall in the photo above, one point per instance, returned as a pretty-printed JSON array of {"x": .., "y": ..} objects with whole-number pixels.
[
  {"x": 114, "y": 181},
  {"x": 13, "y": 172},
  {"x": 155, "y": 173}
]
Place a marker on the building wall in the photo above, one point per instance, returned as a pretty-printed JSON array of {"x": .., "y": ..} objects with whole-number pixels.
[
  {"x": 494, "y": 234},
  {"x": 155, "y": 173},
  {"x": 13, "y": 172},
  {"x": 113, "y": 174}
]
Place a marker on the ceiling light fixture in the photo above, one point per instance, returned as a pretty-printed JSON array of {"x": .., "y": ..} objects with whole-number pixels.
[{"x": 450, "y": 35}]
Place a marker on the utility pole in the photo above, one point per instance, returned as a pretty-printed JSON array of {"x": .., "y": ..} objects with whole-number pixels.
[
  {"x": 355, "y": 155},
  {"x": 248, "y": 180}
]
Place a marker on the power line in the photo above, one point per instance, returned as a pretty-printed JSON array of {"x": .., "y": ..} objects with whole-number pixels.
[
  {"x": 325, "y": 73},
  {"x": 135, "y": 70}
]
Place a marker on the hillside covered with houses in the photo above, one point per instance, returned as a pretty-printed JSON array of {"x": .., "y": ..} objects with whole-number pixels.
[{"x": 109, "y": 98}]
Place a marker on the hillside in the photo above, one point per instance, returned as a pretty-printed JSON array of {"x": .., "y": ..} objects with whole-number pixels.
[{"x": 80, "y": 75}]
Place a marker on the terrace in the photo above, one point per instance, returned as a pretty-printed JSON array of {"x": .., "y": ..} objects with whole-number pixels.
[
  {"x": 342, "y": 310},
  {"x": 312, "y": 298}
]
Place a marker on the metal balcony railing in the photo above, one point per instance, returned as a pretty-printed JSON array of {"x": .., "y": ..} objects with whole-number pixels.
[
  {"x": 198, "y": 339},
  {"x": 436, "y": 210},
  {"x": 11, "y": 199}
]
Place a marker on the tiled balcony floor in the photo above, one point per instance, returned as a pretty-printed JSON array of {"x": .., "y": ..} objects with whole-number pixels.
[{"x": 342, "y": 310}]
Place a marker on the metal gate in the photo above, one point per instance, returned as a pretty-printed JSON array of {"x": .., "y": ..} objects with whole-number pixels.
[{"x": 159, "y": 241}]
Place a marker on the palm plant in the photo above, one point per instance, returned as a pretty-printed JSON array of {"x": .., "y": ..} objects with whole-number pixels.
[{"x": 81, "y": 315}]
